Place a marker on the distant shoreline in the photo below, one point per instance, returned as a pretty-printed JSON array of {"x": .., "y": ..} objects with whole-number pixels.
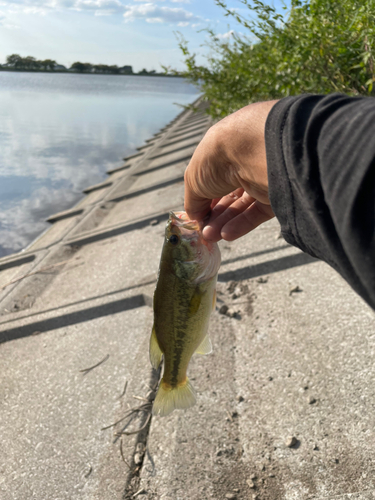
[{"x": 67, "y": 72}]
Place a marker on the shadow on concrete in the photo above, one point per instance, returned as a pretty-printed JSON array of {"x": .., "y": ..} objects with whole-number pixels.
[
  {"x": 164, "y": 165},
  {"x": 192, "y": 136},
  {"x": 134, "y": 155},
  {"x": 145, "y": 146},
  {"x": 271, "y": 266},
  {"x": 192, "y": 122},
  {"x": 188, "y": 146},
  {"x": 149, "y": 189},
  {"x": 148, "y": 301},
  {"x": 17, "y": 262},
  {"x": 74, "y": 318},
  {"x": 254, "y": 254},
  {"x": 109, "y": 233}
]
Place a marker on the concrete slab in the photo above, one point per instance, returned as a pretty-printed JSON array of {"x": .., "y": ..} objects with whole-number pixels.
[
  {"x": 156, "y": 176},
  {"x": 64, "y": 214},
  {"x": 94, "y": 273},
  {"x": 55, "y": 234},
  {"x": 199, "y": 128},
  {"x": 179, "y": 147},
  {"x": 109, "y": 231},
  {"x": 97, "y": 187},
  {"x": 162, "y": 201},
  {"x": 186, "y": 136},
  {"x": 13, "y": 270},
  {"x": 164, "y": 162}
]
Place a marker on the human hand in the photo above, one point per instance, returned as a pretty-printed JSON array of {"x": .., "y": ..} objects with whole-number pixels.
[{"x": 226, "y": 178}]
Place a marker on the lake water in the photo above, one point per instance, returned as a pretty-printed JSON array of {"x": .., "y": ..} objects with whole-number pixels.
[{"x": 60, "y": 133}]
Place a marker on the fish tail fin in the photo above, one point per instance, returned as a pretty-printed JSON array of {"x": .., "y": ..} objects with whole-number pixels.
[{"x": 172, "y": 398}]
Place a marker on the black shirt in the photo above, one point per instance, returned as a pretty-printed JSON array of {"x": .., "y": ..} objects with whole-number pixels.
[{"x": 321, "y": 171}]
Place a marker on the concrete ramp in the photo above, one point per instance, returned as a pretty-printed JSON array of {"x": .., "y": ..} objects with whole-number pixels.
[{"x": 286, "y": 402}]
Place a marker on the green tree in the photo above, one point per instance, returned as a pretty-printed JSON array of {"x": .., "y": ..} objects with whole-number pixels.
[
  {"x": 78, "y": 66},
  {"x": 30, "y": 63},
  {"x": 14, "y": 61},
  {"x": 319, "y": 46},
  {"x": 48, "y": 64}
]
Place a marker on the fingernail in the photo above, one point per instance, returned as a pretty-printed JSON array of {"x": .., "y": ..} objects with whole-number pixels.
[{"x": 204, "y": 232}]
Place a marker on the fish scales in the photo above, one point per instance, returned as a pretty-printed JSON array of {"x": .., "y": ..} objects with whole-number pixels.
[{"x": 183, "y": 301}]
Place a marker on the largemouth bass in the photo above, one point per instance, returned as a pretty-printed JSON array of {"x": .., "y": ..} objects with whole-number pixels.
[{"x": 184, "y": 297}]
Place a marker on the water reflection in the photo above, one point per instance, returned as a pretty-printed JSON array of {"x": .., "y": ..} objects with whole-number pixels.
[{"x": 61, "y": 133}]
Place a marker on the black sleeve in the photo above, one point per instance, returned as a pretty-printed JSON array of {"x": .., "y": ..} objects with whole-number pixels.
[{"x": 321, "y": 171}]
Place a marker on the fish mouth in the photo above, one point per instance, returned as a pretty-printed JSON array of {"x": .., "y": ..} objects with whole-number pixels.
[{"x": 181, "y": 220}]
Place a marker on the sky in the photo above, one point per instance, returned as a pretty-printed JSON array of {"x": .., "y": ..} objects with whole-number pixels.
[{"x": 140, "y": 33}]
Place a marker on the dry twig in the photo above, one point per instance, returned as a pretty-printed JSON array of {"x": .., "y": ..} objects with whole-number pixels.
[
  {"x": 126, "y": 433},
  {"x": 122, "y": 455},
  {"x": 143, "y": 407},
  {"x": 124, "y": 390},
  {"x": 140, "y": 398},
  {"x": 86, "y": 370}
]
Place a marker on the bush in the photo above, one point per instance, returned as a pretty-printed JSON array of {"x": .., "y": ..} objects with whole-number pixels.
[{"x": 320, "y": 46}]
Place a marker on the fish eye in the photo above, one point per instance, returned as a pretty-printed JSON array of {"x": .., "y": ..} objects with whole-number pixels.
[{"x": 174, "y": 239}]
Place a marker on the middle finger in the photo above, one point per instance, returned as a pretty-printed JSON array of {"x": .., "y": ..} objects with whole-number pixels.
[{"x": 227, "y": 209}]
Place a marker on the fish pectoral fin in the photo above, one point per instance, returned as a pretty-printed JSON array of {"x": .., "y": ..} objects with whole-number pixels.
[
  {"x": 195, "y": 302},
  {"x": 155, "y": 351},
  {"x": 214, "y": 300},
  {"x": 169, "y": 398},
  {"x": 205, "y": 347}
]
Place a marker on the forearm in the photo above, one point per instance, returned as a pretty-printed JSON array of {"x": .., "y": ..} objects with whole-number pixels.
[{"x": 320, "y": 156}]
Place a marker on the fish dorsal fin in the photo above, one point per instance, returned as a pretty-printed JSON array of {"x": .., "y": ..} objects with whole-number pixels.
[
  {"x": 155, "y": 351},
  {"x": 214, "y": 300},
  {"x": 205, "y": 347}
]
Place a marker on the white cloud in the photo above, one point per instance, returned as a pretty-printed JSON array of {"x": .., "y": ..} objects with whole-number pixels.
[
  {"x": 173, "y": 1},
  {"x": 226, "y": 35},
  {"x": 148, "y": 11},
  {"x": 229, "y": 34},
  {"x": 99, "y": 7},
  {"x": 152, "y": 13}
]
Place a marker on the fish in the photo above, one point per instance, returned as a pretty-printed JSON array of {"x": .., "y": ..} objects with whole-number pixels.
[{"x": 184, "y": 298}]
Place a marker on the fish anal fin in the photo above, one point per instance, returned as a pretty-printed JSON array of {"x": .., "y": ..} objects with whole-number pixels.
[
  {"x": 205, "y": 347},
  {"x": 170, "y": 398},
  {"x": 155, "y": 351}
]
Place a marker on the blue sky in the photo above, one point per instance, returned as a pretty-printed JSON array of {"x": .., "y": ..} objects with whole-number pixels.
[{"x": 135, "y": 32}]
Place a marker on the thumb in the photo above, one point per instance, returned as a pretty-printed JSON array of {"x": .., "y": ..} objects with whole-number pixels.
[{"x": 197, "y": 205}]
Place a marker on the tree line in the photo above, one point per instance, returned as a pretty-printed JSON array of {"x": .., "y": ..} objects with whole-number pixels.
[
  {"x": 29, "y": 63},
  {"x": 17, "y": 63},
  {"x": 318, "y": 46}
]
